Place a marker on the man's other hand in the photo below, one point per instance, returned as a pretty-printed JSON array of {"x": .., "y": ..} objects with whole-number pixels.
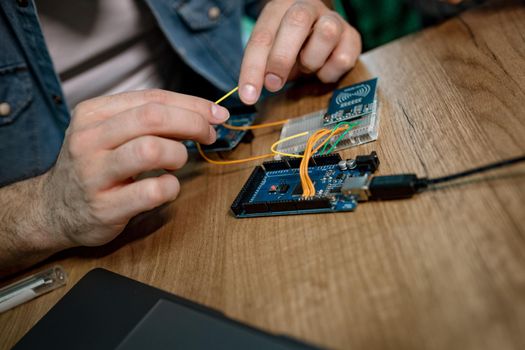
[
  {"x": 91, "y": 193},
  {"x": 292, "y": 34}
]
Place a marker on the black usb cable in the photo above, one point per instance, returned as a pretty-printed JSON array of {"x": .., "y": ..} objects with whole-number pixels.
[{"x": 400, "y": 186}]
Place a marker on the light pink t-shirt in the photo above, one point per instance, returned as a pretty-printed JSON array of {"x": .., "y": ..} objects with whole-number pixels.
[{"x": 103, "y": 47}]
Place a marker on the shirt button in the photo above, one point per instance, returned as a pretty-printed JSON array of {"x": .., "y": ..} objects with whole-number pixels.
[
  {"x": 57, "y": 99},
  {"x": 5, "y": 109},
  {"x": 214, "y": 12}
]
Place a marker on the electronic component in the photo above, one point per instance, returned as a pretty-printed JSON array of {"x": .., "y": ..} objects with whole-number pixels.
[
  {"x": 267, "y": 191},
  {"x": 368, "y": 163},
  {"x": 351, "y": 102},
  {"x": 398, "y": 186},
  {"x": 298, "y": 191},
  {"x": 228, "y": 139},
  {"x": 282, "y": 188},
  {"x": 357, "y": 186},
  {"x": 365, "y": 120}
]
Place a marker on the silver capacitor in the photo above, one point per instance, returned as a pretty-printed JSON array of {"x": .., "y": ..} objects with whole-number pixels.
[{"x": 350, "y": 163}]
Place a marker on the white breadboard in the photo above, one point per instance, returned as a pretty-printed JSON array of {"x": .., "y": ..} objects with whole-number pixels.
[{"x": 365, "y": 131}]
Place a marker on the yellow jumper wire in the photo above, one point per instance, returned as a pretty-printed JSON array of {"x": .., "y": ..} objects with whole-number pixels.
[{"x": 238, "y": 128}]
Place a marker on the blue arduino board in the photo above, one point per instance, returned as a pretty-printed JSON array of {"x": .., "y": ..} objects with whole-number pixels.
[{"x": 275, "y": 187}]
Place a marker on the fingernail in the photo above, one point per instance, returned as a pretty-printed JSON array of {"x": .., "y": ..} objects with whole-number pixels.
[
  {"x": 273, "y": 82},
  {"x": 219, "y": 113},
  {"x": 249, "y": 93}
]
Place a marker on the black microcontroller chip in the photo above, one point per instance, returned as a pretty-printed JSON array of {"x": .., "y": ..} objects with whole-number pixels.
[
  {"x": 283, "y": 188},
  {"x": 298, "y": 190},
  {"x": 336, "y": 189}
]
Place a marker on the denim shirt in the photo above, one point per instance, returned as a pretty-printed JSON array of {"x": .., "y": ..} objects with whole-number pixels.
[{"x": 33, "y": 113}]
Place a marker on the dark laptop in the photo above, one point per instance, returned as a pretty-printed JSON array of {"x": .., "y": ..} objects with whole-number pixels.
[{"x": 108, "y": 311}]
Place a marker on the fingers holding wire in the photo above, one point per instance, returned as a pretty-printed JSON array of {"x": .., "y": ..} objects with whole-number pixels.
[{"x": 101, "y": 108}]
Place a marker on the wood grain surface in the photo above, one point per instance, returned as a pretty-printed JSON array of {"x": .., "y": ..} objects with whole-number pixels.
[{"x": 444, "y": 270}]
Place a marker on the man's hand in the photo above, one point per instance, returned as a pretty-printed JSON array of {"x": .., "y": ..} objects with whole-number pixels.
[
  {"x": 91, "y": 193},
  {"x": 303, "y": 34}
]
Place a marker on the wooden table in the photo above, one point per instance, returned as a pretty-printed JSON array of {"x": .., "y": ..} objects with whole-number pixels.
[{"x": 444, "y": 270}]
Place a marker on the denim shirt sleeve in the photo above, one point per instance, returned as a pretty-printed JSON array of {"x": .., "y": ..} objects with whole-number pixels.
[
  {"x": 33, "y": 113},
  {"x": 206, "y": 34},
  {"x": 33, "y": 116}
]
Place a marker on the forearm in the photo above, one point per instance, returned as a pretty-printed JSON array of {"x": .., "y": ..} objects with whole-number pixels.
[
  {"x": 26, "y": 235},
  {"x": 90, "y": 194}
]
